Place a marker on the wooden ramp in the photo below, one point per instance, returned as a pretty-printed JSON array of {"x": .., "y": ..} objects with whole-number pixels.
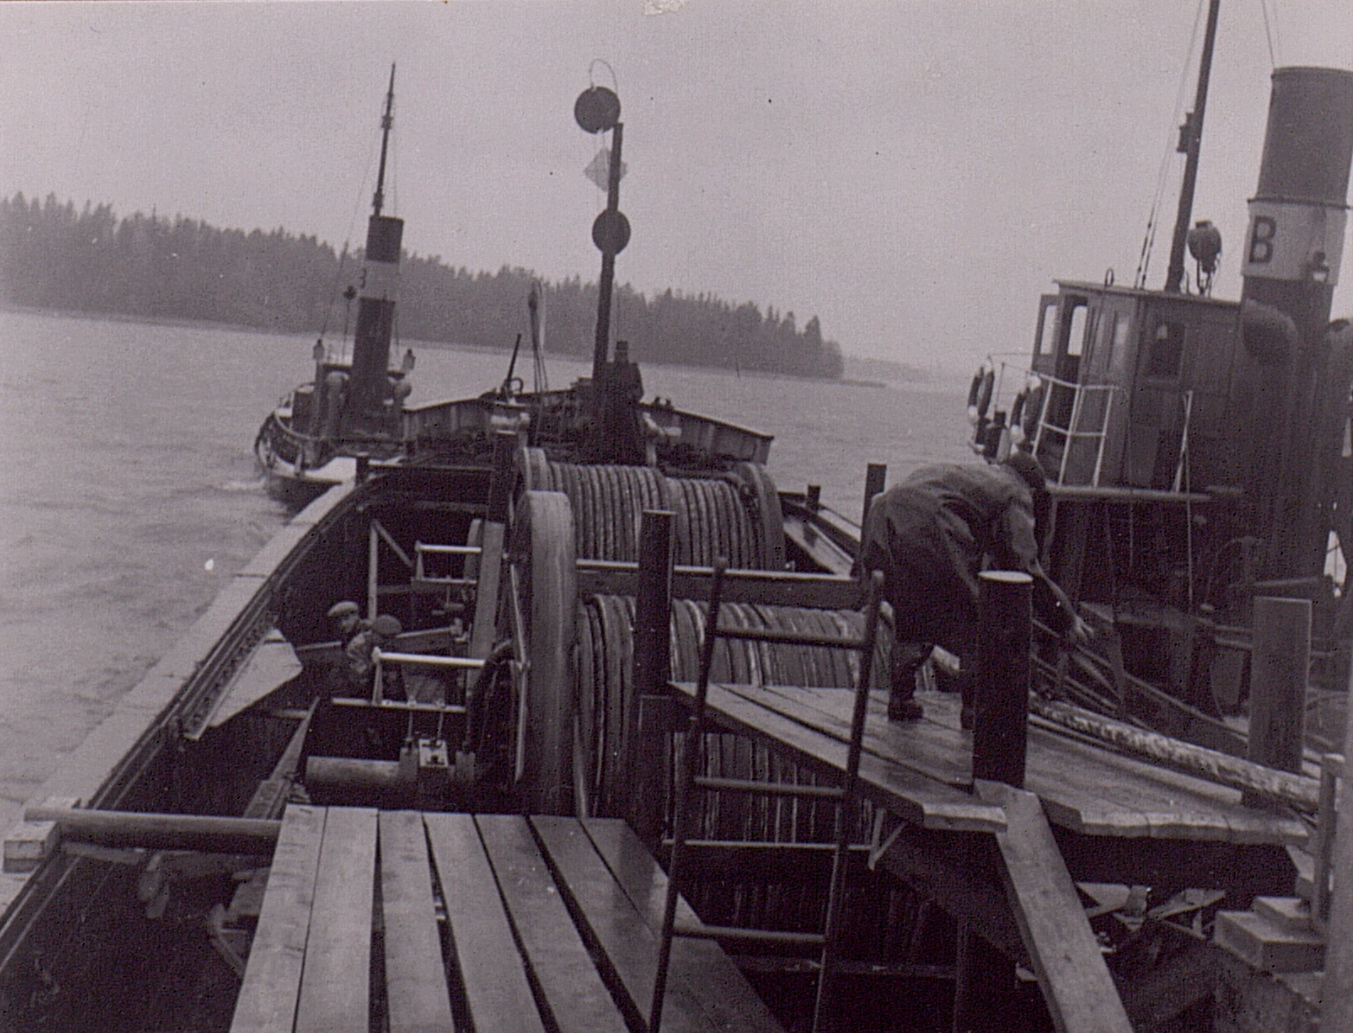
[
  {"x": 1080, "y": 993},
  {"x": 921, "y": 771},
  {"x": 417, "y": 923}
]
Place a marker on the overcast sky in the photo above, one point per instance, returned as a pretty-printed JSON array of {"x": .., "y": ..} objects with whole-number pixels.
[{"x": 913, "y": 173}]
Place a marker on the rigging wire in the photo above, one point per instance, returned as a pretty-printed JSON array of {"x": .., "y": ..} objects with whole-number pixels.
[
  {"x": 358, "y": 205},
  {"x": 1270, "y": 32},
  {"x": 1171, "y": 148}
]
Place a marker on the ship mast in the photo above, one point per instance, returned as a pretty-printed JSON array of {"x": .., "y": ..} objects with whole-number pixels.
[
  {"x": 387, "y": 121},
  {"x": 1190, "y": 141}
]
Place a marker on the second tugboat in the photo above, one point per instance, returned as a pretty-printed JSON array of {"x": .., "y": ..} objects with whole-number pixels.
[{"x": 310, "y": 441}]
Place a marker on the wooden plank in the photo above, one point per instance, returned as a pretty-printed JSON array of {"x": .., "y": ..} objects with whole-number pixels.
[
  {"x": 699, "y": 968},
  {"x": 1076, "y": 984},
  {"x": 911, "y": 796},
  {"x": 928, "y": 748},
  {"x": 272, "y": 979},
  {"x": 336, "y": 984},
  {"x": 415, "y": 974},
  {"x": 492, "y": 971},
  {"x": 1085, "y": 788},
  {"x": 696, "y": 999},
  {"x": 568, "y": 980}
]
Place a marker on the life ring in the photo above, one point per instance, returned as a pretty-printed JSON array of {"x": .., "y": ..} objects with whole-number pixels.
[{"x": 979, "y": 394}]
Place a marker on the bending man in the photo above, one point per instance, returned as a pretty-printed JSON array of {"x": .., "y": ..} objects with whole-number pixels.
[{"x": 931, "y": 535}]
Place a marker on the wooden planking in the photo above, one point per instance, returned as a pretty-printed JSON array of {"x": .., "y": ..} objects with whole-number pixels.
[
  {"x": 699, "y": 968},
  {"x": 497, "y": 993},
  {"x": 1076, "y": 984},
  {"x": 697, "y": 997},
  {"x": 924, "y": 746},
  {"x": 911, "y": 796},
  {"x": 272, "y": 980},
  {"x": 609, "y": 921},
  {"x": 415, "y": 975},
  {"x": 336, "y": 983},
  {"x": 563, "y": 969},
  {"x": 1085, "y": 788}
]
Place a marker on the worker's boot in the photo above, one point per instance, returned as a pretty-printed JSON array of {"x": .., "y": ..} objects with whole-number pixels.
[{"x": 905, "y": 663}]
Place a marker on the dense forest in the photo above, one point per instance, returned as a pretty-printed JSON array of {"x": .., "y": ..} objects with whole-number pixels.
[{"x": 55, "y": 256}]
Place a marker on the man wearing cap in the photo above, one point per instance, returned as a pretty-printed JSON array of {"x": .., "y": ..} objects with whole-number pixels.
[
  {"x": 347, "y": 621},
  {"x": 931, "y": 535}
]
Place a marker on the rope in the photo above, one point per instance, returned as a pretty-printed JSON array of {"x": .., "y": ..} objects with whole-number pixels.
[{"x": 1149, "y": 239}]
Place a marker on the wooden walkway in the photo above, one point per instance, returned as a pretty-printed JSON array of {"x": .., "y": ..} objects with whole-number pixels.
[
  {"x": 423, "y": 922},
  {"x": 922, "y": 771}
]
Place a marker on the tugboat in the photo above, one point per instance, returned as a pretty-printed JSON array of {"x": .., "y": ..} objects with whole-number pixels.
[
  {"x": 310, "y": 441},
  {"x": 1197, "y": 448}
]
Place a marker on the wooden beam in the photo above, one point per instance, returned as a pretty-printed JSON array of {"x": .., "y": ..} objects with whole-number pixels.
[
  {"x": 1337, "y": 990},
  {"x": 498, "y": 996},
  {"x": 563, "y": 968},
  {"x": 726, "y": 996},
  {"x": 161, "y": 831},
  {"x": 272, "y": 980},
  {"x": 336, "y": 984},
  {"x": 644, "y": 760},
  {"x": 1279, "y": 671},
  {"x": 1000, "y": 735},
  {"x": 1076, "y": 984},
  {"x": 415, "y": 979}
]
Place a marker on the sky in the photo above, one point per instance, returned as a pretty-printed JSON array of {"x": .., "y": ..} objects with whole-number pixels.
[{"x": 914, "y": 173}]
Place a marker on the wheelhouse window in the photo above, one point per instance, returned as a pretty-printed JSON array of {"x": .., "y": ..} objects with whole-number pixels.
[{"x": 1167, "y": 351}]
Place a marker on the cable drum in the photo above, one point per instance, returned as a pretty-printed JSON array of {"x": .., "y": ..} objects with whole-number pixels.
[
  {"x": 736, "y": 515},
  {"x": 606, "y": 701}
]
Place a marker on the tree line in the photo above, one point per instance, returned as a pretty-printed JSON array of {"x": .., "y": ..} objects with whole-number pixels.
[{"x": 55, "y": 256}]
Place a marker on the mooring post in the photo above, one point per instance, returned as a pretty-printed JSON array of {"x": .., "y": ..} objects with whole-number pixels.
[
  {"x": 1279, "y": 665},
  {"x": 875, "y": 477},
  {"x": 652, "y": 669},
  {"x": 985, "y": 976},
  {"x": 500, "y": 479},
  {"x": 1336, "y": 991},
  {"x": 1001, "y": 719}
]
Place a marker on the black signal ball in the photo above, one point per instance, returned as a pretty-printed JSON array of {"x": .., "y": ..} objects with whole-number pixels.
[
  {"x": 597, "y": 109},
  {"x": 611, "y": 232}
]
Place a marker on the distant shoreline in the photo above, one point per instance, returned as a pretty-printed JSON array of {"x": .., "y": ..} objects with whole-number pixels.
[{"x": 907, "y": 376}]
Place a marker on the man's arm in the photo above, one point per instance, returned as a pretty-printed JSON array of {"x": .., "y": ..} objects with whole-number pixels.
[{"x": 1077, "y": 631}]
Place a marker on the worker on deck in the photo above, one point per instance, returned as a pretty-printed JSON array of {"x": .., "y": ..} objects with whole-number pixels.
[
  {"x": 347, "y": 621},
  {"x": 931, "y": 535}
]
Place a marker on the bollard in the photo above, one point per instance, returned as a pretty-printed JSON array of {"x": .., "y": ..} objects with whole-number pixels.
[
  {"x": 1000, "y": 729},
  {"x": 1278, "y": 670},
  {"x": 652, "y": 669},
  {"x": 875, "y": 477},
  {"x": 502, "y": 476}
]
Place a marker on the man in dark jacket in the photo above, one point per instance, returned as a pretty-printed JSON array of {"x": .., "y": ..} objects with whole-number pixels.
[{"x": 931, "y": 535}]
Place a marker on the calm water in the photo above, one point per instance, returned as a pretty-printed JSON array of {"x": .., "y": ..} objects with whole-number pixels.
[{"x": 128, "y": 493}]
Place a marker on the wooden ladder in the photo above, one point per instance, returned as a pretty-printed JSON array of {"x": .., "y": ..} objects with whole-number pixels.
[{"x": 844, "y": 797}]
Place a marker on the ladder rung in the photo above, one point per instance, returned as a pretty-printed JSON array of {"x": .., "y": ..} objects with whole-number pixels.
[
  {"x": 767, "y": 936},
  {"x": 789, "y": 638},
  {"x": 744, "y": 785}
]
